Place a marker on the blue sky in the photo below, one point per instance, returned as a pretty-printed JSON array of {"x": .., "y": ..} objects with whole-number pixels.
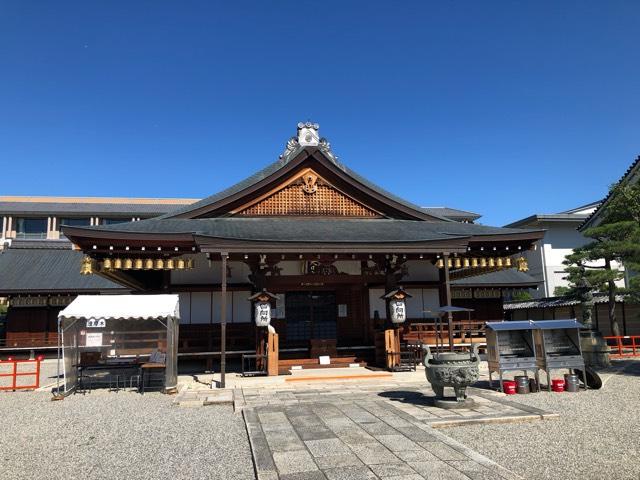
[{"x": 503, "y": 108}]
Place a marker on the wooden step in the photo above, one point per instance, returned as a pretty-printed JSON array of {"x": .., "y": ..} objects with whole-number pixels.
[
  {"x": 325, "y": 377},
  {"x": 284, "y": 366}
]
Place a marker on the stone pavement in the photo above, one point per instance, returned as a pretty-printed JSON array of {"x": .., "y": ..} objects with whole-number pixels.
[
  {"x": 357, "y": 441},
  {"x": 415, "y": 400},
  {"x": 368, "y": 431}
]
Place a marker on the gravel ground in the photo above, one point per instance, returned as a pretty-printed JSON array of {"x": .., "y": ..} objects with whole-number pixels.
[
  {"x": 596, "y": 436},
  {"x": 119, "y": 435}
]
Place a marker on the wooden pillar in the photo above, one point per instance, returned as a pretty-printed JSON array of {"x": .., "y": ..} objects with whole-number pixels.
[
  {"x": 447, "y": 298},
  {"x": 223, "y": 320},
  {"x": 273, "y": 350}
]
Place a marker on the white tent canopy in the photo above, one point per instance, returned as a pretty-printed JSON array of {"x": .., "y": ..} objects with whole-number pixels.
[
  {"x": 119, "y": 326},
  {"x": 129, "y": 307}
]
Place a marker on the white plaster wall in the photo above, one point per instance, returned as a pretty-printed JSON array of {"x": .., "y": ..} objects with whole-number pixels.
[
  {"x": 204, "y": 307},
  {"x": 291, "y": 267},
  {"x": 203, "y": 274},
  {"x": 559, "y": 241},
  {"x": 421, "y": 270},
  {"x": 422, "y": 299},
  {"x": 545, "y": 263}
]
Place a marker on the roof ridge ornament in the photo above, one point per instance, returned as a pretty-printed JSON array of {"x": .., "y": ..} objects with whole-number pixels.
[{"x": 307, "y": 136}]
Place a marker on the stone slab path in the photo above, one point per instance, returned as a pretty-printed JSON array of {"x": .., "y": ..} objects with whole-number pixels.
[
  {"x": 368, "y": 432},
  {"x": 413, "y": 399},
  {"x": 369, "y": 440}
]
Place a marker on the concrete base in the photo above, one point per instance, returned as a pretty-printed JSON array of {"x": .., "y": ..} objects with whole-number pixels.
[
  {"x": 453, "y": 404},
  {"x": 595, "y": 350}
]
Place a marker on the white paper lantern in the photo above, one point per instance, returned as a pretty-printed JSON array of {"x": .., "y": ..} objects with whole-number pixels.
[
  {"x": 263, "y": 314},
  {"x": 398, "y": 311}
]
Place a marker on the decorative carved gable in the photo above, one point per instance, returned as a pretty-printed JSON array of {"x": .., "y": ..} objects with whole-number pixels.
[{"x": 307, "y": 194}]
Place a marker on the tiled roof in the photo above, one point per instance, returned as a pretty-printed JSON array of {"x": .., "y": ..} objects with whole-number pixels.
[
  {"x": 451, "y": 213},
  {"x": 62, "y": 244},
  {"x": 47, "y": 270},
  {"x": 591, "y": 218},
  {"x": 500, "y": 278},
  {"x": 549, "y": 217},
  {"x": 274, "y": 167},
  {"x": 310, "y": 229},
  {"x": 551, "y": 302}
]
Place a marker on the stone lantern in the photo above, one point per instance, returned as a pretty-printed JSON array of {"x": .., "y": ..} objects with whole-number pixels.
[{"x": 262, "y": 307}]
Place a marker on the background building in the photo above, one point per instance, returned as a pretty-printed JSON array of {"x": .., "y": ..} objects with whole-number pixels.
[{"x": 560, "y": 238}]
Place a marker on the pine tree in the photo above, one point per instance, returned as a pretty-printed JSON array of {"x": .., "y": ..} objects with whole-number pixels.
[{"x": 615, "y": 242}]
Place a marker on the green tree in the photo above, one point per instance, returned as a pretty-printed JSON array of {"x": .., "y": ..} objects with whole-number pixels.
[
  {"x": 616, "y": 239},
  {"x": 562, "y": 291}
]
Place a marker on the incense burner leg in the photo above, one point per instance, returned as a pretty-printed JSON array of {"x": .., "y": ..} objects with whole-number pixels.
[{"x": 438, "y": 390}]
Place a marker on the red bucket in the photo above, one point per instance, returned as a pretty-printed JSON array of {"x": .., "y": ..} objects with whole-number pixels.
[
  {"x": 509, "y": 387},
  {"x": 557, "y": 385}
]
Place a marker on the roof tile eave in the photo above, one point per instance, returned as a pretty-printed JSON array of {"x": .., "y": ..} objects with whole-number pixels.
[{"x": 595, "y": 214}]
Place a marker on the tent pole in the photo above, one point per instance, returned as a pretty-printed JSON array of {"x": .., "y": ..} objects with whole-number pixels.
[
  {"x": 223, "y": 320},
  {"x": 58, "y": 364}
]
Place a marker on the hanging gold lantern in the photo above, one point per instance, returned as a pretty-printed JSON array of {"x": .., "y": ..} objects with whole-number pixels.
[
  {"x": 148, "y": 264},
  {"x": 450, "y": 263},
  {"x": 127, "y": 264},
  {"x": 440, "y": 263},
  {"x": 159, "y": 265},
  {"x": 137, "y": 265},
  {"x": 87, "y": 266},
  {"x": 190, "y": 263},
  {"x": 507, "y": 262},
  {"x": 499, "y": 262},
  {"x": 180, "y": 264},
  {"x": 465, "y": 263},
  {"x": 107, "y": 264},
  {"x": 523, "y": 265},
  {"x": 458, "y": 263},
  {"x": 169, "y": 264},
  {"x": 474, "y": 263},
  {"x": 483, "y": 262},
  {"x": 117, "y": 264},
  {"x": 492, "y": 262}
]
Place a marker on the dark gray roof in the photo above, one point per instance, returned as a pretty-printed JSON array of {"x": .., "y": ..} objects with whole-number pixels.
[
  {"x": 507, "y": 277},
  {"x": 85, "y": 208},
  {"x": 595, "y": 204},
  {"x": 629, "y": 174},
  {"x": 552, "y": 302},
  {"x": 63, "y": 244},
  {"x": 550, "y": 217},
  {"x": 238, "y": 187},
  {"x": 452, "y": 213},
  {"x": 274, "y": 167},
  {"x": 47, "y": 270},
  {"x": 310, "y": 229}
]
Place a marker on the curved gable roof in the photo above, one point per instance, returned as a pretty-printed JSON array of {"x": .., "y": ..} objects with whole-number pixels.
[{"x": 365, "y": 190}]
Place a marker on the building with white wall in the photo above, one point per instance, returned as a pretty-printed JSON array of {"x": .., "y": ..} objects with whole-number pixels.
[{"x": 561, "y": 237}]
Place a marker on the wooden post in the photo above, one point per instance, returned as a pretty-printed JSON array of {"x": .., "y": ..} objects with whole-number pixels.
[
  {"x": 392, "y": 347},
  {"x": 223, "y": 320},
  {"x": 272, "y": 354},
  {"x": 447, "y": 297}
]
